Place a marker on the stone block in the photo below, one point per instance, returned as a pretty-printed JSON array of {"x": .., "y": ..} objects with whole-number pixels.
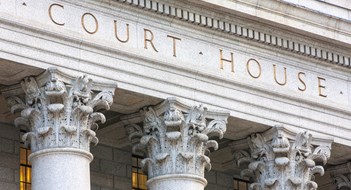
[
  {"x": 104, "y": 188},
  {"x": 224, "y": 180},
  {"x": 211, "y": 177},
  {"x": 114, "y": 168},
  {"x": 9, "y": 160},
  {"x": 122, "y": 156},
  {"x": 129, "y": 171},
  {"x": 122, "y": 183},
  {"x": 211, "y": 187},
  {"x": 103, "y": 180},
  {"x": 94, "y": 187},
  {"x": 102, "y": 152},
  {"x": 17, "y": 176},
  {"x": 17, "y": 145},
  {"x": 9, "y": 186},
  {"x": 6, "y": 145},
  {"x": 9, "y": 132},
  {"x": 7, "y": 174},
  {"x": 95, "y": 165}
]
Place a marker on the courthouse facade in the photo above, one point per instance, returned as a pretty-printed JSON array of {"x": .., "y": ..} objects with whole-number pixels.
[{"x": 175, "y": 95}]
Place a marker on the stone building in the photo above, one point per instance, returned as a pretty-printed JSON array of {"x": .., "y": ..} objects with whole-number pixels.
[{"x": 166, "y": 94}]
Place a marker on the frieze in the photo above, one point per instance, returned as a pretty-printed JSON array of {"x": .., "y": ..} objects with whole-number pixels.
[{"x": 234, "y": 62}]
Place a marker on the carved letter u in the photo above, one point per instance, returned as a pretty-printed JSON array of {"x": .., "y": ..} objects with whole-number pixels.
[
  {"x": 116, "y": 33},
  {"x": 275, "y": 76}
]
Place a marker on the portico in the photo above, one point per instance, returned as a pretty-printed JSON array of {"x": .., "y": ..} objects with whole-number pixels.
[{"x": 201, "y": 92}]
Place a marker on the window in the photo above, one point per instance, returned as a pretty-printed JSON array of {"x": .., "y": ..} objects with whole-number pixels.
[
  {"x": 25, "y": 169},
  {"x": 240, "y": 184},
  {"x": 138, "y": 177}
]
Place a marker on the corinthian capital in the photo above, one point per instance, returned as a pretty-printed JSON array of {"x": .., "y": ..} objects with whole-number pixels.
[
  {"x": 175, "y": 138},
  {"x": 341, "y": 175},
  {"x": 281, "y": 159},
  {"x": 59, "y": 111}
]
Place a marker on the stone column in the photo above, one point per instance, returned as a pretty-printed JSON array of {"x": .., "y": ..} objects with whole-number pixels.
[
  {"x": 175, "y": 140},
  {"x": 280, "y": 159},
  {"x": 60, "y": 116}
]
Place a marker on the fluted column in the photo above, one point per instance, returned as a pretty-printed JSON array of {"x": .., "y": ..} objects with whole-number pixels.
[
  {"x": 60, "y": 116},
  {"x": 175, "y": 140},
  {"x": 283, "y": 160}
]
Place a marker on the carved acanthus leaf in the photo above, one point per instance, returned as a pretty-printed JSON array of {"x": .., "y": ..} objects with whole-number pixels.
[
  {"x": 180, "y": 133},
  {"x": 293, "y": 158},
  {"x": 341, "y": 175},
  {"x": 134, "y": 131},
  {"x": 216, "y": 127},
  {"x": 58, "y": 112}
]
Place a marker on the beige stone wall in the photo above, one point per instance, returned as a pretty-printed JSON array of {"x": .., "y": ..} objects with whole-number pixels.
[{"x": 9, "y": 157}]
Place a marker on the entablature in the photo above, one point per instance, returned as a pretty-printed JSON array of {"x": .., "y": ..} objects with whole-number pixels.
[{"x": 80, "y": 35}]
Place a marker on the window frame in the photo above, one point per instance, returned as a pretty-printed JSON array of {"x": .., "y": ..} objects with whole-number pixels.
[
  {"x": 137, "y": 171},
  {"x": 25, "y": 181},
  {"x": 238, "y": 181}
]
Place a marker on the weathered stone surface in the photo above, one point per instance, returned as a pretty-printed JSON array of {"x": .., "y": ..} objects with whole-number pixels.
[
  {"x": 9, "y": 132},
  {"x": 93, "y": 187},
  {"x": 99, "y": 179},
  {"x": 9, "y": 186},
  {"x": 129, "y": 171},
  {"x": 175, "y": 138},
  {"x": 58, "y": 113},
  {"x": 211, "y": 177},
  {"x": 219, "y": 181},
  {"x": 102, "y": 152},
  {"x": 284, "y": 160},
  {"x": 7, "y": 145},
  {"x": 95, "y": 165},
  {"x": 341, "y": 175},
  {"x": 224, "y": 180},
  {"x": 60, "y": 116},
  {"x": 9, "y": 160},
  {"x": 122, "y": 156},
  {"x": 114, "y": 168},
  {"x": 122, "y": 183},
  {"x": 7, "y": 174}
]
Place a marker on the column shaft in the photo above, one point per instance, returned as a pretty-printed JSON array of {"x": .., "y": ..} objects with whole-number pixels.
[
  {"x": 61, "y": 168},
  {"x": 177, "y": 182}
]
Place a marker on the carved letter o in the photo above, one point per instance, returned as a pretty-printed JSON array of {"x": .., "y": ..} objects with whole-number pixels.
[
  {"x": 96, "y": 23},
  {"x": 259, "y": 68}
]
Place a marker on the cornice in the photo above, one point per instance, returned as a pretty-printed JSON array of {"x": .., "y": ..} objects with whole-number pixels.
[{"x": 232, "y": 28}]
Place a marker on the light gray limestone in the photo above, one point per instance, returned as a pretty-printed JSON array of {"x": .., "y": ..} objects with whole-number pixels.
[
  {"x": 341, "y": 175},
  {"x": 191, "y": 75},
  {"x": 9, "y": 157},
  {"x": 58, "y": 113},
  {"x": 61, "y": 169},
  {"x": 284, "y": 160},
  {"x": 175, "y": 140},
  {"x": 177, "y": 182}
]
